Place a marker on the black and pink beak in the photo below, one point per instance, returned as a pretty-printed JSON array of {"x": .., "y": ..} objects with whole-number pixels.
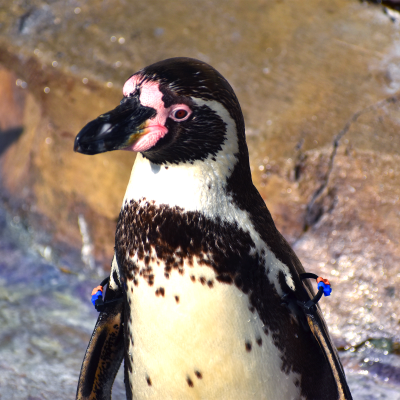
[{"x": 117, "y": 129}]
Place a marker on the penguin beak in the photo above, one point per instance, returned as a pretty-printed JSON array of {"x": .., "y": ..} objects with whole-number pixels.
[{"x": 117, "y": 129}]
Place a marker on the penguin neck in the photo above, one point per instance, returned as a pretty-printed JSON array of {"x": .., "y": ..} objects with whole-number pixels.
[{"x": 200, "y": 186}]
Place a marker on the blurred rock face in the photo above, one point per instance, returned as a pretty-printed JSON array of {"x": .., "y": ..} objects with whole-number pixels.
[{"x": 318, "y": 83}]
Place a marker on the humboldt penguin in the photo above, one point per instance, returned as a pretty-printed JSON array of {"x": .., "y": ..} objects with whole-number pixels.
[{"x": 213, "y": 301}]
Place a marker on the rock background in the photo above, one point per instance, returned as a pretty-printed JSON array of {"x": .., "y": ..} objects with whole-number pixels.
[{"x": 319, "y": 84}]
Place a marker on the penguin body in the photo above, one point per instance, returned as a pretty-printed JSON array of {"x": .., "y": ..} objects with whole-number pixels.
[{"x": 211, "y": 287}]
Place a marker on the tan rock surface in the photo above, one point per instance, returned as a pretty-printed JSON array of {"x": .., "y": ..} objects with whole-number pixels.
[{"x": 303, "y": 72}]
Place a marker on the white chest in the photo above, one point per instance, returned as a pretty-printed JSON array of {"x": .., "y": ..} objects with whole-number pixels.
[{"x": 196, "y": 338}]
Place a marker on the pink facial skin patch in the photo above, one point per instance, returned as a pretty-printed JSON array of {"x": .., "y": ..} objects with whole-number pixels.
[
  {"x": 151, "y": 135},
  {"x": 151, "y": 96}
]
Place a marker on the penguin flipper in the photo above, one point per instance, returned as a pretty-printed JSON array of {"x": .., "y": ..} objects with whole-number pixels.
[
  {"x": 311, "y": 318},
  {"x": 105, "y": 351},
  {"x": 320, "y": 332},
  {"x": 318, "y": 328}
]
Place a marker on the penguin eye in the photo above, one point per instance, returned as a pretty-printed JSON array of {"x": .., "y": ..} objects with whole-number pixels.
[{"x": 180, "y": 114}]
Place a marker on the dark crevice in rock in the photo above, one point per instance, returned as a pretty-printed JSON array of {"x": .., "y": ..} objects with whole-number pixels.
[
  {"x": 36, "y": 20},
  {"x": 316, "y": 206},
  {"x": 393, "y": 4},
  {"x": 299, "y": 166},
  {"x": 8, "y": 137}
]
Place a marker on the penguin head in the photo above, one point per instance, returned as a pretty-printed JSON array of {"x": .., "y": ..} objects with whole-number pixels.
[{"x": 175, "y": 111}]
